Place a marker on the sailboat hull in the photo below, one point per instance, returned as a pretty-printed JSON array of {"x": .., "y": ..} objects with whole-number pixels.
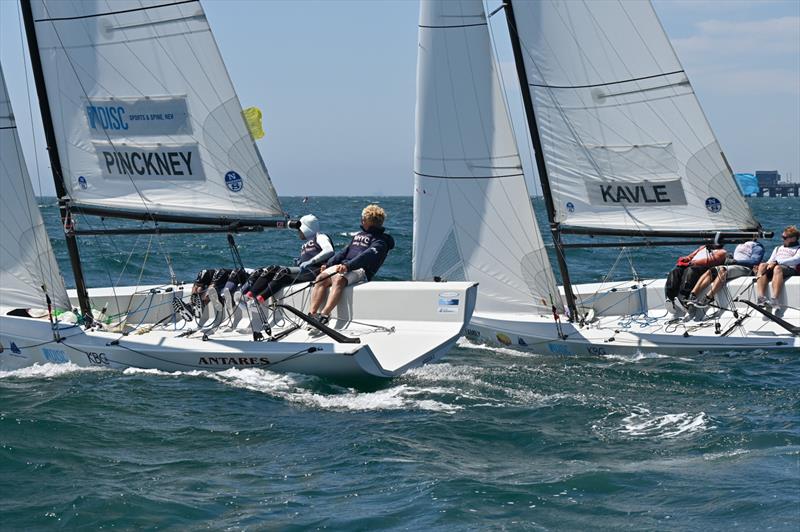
[
  {"x": 629, "y": 318},
  {"x": 400, "y": 325}
]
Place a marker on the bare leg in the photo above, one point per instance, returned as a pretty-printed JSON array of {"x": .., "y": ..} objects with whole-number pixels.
[
  {"x": 761, "y": 282},
  {"x": 719, "y": 282},
  {"x": 777, "y": 282},
  {"x": 339, "y": 284},
  {"x": 702, "y": 282},
  {"x": 320, "y": 291}
]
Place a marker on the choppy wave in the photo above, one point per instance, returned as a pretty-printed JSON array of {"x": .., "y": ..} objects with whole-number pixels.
[{"x": 643, "y": 423}]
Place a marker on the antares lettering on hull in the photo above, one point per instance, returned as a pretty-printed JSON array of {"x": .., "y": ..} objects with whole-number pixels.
[
  {"x": 233, "y": 361},
  {"x": 661, "y": 194},
  {"x": 150, "y": 162}
]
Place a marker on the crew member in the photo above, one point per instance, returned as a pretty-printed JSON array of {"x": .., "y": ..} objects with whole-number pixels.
[
  {"x": 746, "y": 257},
  {"x": 782, "y": 264},
  {"x": 355, "y": 264},
  {"x": 317, "y": 248}
]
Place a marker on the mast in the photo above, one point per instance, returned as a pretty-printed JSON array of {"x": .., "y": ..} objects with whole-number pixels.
[
  {"x": 55, "y": 162},
  {"x": 540, "y": 164}
]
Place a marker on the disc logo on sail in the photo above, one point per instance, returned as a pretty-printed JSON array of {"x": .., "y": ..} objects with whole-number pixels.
[{"x": 138, "y": 117}]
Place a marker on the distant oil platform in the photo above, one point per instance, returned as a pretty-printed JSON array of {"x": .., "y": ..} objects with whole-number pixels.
[{"x": 767, "y": 183}]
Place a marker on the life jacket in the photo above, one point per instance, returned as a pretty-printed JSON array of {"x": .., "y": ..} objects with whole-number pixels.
[
  {"x": 309, "y": 250},
  {"x": 785, "y": 252}
]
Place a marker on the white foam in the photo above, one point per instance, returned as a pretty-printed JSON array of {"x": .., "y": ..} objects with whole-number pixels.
[
  {"x": 47, "y": 371},
  {"x": 445, "y": 372},
  {"x": 470, "y": 344},
  {"x": 725, "y": 454},
  {"x": 288, "y": 387},
  {"x": 152, "y": 371},
  {"x": 636, "y": 357},
  {"x": 643, "y": 423},
  {"x": 295, "y": 388}
]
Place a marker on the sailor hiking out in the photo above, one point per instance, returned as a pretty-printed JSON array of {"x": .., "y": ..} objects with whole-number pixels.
[
  {"x": 357, "y": 263},
  {"x": 260, "y": 284},
  {"x": 317, "y": 249},
  {"x": 746, "y": 257},
  {"x": 687, "y": 272}
]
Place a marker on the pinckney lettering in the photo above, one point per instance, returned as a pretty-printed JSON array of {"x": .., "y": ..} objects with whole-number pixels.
[{"x": 147, "y": 163}]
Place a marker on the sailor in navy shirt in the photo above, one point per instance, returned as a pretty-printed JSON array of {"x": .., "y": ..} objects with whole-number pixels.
[{"x": 355, "y": 264}]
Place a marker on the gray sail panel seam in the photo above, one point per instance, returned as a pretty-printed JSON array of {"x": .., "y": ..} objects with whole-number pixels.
[
  {"x": 604, "y": 84},
  {"x": 133, "y": 10}
]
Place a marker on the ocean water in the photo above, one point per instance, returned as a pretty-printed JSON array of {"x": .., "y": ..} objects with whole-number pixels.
[{"x": 490, "y": 438}]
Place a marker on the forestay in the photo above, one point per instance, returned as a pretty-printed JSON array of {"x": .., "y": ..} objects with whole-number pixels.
[
  {"x": 28, "y": 267},
  {"x": 473, "y": 217},
  {"x": 625, "y": 141},
  {"x": 146, "y": 116}
]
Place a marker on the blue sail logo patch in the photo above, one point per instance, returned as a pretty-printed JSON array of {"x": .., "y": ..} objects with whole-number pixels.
[
  {"x": 234, "y": 181},
  {"x": 713, "y": 205}
]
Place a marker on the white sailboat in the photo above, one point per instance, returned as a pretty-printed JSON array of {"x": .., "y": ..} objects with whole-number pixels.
[
  {"x": 142, "y": 122},
  {"x": 622, "y": 149}
]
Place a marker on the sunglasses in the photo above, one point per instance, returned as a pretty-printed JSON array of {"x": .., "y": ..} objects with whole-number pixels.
[{"x": 787, "y": 236}]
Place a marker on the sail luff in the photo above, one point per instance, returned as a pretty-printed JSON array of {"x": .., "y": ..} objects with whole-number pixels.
[
  {"x": 55, "y": 160},
  {"x": 541, "y": 164}
]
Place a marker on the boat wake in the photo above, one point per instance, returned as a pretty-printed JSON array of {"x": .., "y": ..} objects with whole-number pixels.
[
  {"x": 300, "y": 389},
  {"x": 639, "y": 357},
  {"x": 464, "y": 343},
  {"x": 48, "y": 371}
]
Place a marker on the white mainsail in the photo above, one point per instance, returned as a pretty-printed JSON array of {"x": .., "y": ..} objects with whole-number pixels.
[
  {"x": 28, "y": 267},
  {"x": 625, "y": 142},
  {"x": 473, "y": 217},
  {"x": 146, "y": 115}
]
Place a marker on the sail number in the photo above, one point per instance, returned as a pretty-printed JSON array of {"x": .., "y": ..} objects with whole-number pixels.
[{"x": 97, "y": 359}]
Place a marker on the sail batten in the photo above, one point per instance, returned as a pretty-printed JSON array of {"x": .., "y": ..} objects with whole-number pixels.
[
  {"x": 146, "y": 115},
  {"x": 473, "y": 217},
  {"x": 625, "y": 142}
]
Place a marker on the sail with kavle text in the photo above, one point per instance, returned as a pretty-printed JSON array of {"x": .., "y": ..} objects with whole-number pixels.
[{"x": 626, "y": 144}]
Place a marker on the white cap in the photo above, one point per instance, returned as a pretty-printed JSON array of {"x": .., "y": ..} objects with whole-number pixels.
[{"x": 309, "y": 225}]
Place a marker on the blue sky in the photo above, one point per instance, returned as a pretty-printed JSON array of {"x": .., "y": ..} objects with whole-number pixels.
[{"x": 336, "y": 83}]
